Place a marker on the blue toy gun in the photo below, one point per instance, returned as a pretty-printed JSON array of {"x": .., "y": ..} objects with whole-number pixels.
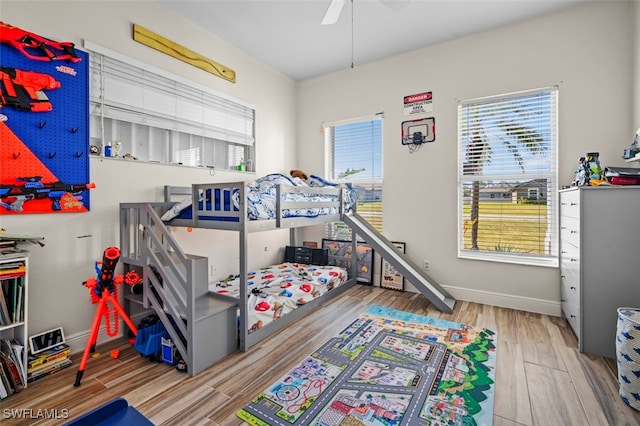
[{"x": 32, "y": 188}]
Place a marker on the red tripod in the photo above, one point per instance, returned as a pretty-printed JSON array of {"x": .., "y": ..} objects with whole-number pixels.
[{"x": 103, "y": 291}]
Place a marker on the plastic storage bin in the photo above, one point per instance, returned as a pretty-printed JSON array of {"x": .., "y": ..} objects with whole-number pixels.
[{"x": 149, "y": 340}]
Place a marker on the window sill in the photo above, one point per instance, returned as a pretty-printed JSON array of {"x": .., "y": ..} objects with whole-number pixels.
[
  {"x": 134, "y": 160},
  {"x": 548, "y": 262}
]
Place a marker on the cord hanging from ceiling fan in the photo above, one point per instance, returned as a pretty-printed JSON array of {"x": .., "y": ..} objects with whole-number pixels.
[{"x": 352, "y": 61}]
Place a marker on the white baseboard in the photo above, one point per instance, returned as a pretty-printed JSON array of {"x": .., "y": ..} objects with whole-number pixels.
[
  {"x": 528, "y": 304},
  {"x": 78, "y": 341}
]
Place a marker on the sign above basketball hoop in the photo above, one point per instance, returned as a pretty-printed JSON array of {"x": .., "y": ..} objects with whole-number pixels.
[{"x": 418, "y": 103}]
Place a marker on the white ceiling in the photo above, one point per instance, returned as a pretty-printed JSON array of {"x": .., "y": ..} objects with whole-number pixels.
[{"x": 287, "y": 35}]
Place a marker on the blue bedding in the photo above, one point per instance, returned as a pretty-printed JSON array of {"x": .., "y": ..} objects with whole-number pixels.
[{"x": 262, "y": 198}]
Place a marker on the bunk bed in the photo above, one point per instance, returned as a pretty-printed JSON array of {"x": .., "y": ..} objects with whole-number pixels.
[
  {"x": 176, "y": 284},
  {"x": 204, "y": 324}
]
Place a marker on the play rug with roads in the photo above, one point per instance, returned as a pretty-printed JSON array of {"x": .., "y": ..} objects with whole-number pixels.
[{"x": 388, "y": 367}]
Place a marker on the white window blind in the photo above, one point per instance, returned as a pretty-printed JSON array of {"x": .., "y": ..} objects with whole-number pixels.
[
  {"x": 353, "y": 151},
  {"x": 122, "y": 90},
  {"x": 508, "y": 178}
]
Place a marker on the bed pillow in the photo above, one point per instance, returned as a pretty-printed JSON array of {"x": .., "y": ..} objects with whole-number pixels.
[{"x": 351, "y": 195}]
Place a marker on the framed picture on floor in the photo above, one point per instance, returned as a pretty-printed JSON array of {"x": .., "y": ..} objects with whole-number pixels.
[
  {"x": 340, "y": 255},
  {"x": 389, "y": 276}
]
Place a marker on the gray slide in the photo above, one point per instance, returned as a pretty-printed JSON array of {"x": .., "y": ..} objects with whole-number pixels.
[{"x": 385, "y": 248}]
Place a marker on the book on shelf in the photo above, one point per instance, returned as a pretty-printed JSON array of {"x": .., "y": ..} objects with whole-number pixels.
[
  {"x": 13, "y": 268},
  {"x": 5, "y": 316},
  {"x": 5, "y": 386},
  {"x": 12, "y": 372},
  {"x": 3, "y": 389},
  {"x": 18, "y": 351},
  {"x": 11, "y": 299},
  {"x": 15, "y": 352}
]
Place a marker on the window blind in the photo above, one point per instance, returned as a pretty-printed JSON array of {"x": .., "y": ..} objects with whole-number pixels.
[
  {"x": 508, "y": 177},
  {"x": 353, "y": 151},
  {"x": 126, "y": 91}
]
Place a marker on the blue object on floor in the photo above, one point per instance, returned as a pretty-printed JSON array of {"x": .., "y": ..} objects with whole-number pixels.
[
  {"x": 149, "y": 339},
  {"x": 116, "y": 412}
]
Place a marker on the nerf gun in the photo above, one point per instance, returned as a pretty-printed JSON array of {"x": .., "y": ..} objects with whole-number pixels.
[
  {"x": 105, "y": 279},
  {"x": 33, "y": 188},
  {"x": 35, "y": 47},
  {"x": 24, "y": 89}
]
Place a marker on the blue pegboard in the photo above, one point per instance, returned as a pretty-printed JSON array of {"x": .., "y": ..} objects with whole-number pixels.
[{"x": 59, "y": 138}]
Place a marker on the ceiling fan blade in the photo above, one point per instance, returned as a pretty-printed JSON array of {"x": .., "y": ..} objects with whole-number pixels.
[{"x": 333, "y": 12}]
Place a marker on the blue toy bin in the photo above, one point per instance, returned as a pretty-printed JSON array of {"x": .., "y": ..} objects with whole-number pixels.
[{"x": 149, "y": 339}]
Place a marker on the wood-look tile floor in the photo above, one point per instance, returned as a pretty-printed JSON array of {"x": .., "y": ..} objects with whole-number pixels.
[{"x": 541, "y": 378}]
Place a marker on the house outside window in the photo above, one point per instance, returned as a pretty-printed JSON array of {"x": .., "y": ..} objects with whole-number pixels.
[
  {"x": 507, "y": 193},
  {"x": 353, "y": 153}
]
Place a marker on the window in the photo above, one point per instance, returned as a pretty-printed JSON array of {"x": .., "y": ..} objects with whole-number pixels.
[
  {"x": 353, "y": 153},
  {"x": 154, "y": 116},
  {"x": 508, "y": 178}
]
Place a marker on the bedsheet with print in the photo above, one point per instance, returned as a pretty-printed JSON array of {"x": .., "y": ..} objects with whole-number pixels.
[
  {"x": 276, "y": 290},
  {"x": 262, "y": 199}
]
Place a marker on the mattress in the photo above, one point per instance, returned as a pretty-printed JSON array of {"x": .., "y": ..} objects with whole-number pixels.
[{"x": 276, "y": 290}]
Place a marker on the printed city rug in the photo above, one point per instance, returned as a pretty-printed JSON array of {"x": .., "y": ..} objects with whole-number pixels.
[{"x": 388, "y": 367}]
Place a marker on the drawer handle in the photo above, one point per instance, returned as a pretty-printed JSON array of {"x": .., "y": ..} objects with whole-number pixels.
[
  {"x": 572, "y": 316},
  {"x": 563, "y": 252},
  {"x": 563, "y": 276},
  {"x": 573, "y": 260},
  {"x": 573, "y": 204},
  {"x": 572, "y": 288},
  {"x": 573, "y": 232}
]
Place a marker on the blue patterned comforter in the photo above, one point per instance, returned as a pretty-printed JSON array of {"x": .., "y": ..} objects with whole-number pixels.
[{"x": 262, "y": 199}]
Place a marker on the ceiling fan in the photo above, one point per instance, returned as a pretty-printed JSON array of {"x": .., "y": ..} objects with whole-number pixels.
[
  {"x": 333, "y": 12},
  {"x": 331, "y": 17}
]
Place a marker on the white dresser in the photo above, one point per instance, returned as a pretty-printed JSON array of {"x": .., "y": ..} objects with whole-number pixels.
[{"x": 599, "y": 261}]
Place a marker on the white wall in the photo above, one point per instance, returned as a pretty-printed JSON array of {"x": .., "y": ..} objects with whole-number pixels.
[
  {"x": 586, "y": 51},
  {"x": 57, "y": 271}
]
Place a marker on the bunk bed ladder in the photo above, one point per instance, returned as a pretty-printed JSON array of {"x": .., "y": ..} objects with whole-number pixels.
[
  {"x": 401, "y": 262},
  {"x": 176, "y": 287}
]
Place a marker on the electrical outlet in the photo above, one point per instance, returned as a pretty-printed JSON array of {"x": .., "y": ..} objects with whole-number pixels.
[
  {"x": 426, "y": 265},
  {"x": 212, "y": 271}
]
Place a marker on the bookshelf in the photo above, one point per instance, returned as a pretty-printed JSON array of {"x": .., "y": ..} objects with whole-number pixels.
[{"x": 14, "y": 268}]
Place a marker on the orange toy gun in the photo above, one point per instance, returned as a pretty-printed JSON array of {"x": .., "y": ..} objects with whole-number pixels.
[
  {"x": 24, "y": 89},
  {"x": 35, "y": 47}
]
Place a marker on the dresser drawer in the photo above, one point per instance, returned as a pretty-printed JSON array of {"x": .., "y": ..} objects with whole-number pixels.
[
  {"x": 570, "y": 288},
  {"x": 570, "y": 230},
  {"x": 572, "y": 314},
  {"x": 570, "y": 204},
  {"x": 569, "y": 259}
]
